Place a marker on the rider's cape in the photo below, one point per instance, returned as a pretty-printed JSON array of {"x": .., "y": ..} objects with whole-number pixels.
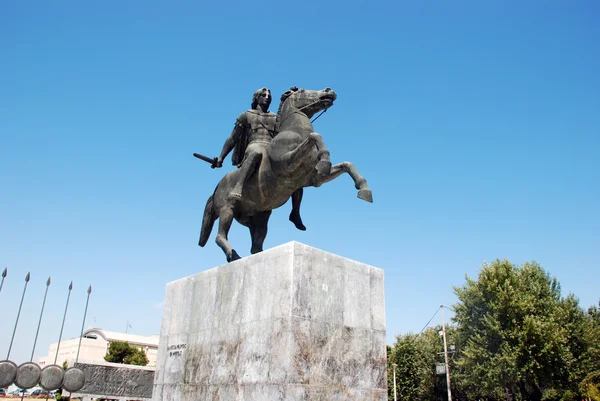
[
  {"x": 242, "y": 140},
  {"x": 240, "y": 146}
]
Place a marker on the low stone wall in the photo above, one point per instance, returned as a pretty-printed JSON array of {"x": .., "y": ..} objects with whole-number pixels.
[{"x": 116, "y": 381}]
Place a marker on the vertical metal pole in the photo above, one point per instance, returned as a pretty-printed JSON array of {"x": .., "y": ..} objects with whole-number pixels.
[
  {"x": 89, "y": 291},
  {"x": 18, "y": 314},
  {"x": 446, "y": 355},
  {"x": 40, "y": 321},
  {"x": 63, "y": 322},
  {"x": 3, "y": 275},
  {"x": 394, "y": 365}
]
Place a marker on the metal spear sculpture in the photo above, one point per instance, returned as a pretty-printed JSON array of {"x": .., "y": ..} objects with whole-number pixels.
[
  {"x": 29, "y": 373},
  {"x": 63, "y": 322},
  {"x": 72, "y": 370},
  {"x": 40, "y": 321},
  {"x": 74, "y": 378},
  {"x": 89, "y": 291},
  {"x": 3, "y": 276},
  {"x": 18, "y": 315},
  {"x": 61, "y": 331},
  {"x": 8, "y": 369}
]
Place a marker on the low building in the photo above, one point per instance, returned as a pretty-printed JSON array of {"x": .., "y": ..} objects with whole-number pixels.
[{"x": 94, "y": 345}]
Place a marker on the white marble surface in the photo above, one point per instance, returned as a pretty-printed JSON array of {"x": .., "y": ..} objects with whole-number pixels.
[{"x": 290, "y": 323}]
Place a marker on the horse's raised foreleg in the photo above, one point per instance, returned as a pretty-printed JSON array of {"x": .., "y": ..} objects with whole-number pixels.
[
  {"x": 324, "y": 164},
  {"x": 295, "y": 157},
  {"x": 292, "y": 159},
  {"x": 225, "y": 220},
  {"x": 364, "y": 192},
  {"x": 258, "y": 230}
]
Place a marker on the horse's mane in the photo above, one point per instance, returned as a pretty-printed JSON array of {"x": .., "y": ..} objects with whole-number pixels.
[{"x": 284, "y": 97}]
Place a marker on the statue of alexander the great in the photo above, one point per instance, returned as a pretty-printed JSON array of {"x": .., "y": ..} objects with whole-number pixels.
[
  {"x": 277, "y": 157},
  {"x": 253, "y": 131}
]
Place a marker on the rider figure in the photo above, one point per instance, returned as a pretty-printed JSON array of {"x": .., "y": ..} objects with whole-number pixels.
[{"x": 253, "y": 131}]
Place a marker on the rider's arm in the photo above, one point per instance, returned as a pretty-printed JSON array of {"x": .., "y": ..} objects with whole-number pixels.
[{"x": 238, "y": 130}]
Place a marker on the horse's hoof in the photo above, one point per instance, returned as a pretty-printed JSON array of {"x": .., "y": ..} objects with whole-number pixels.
[
  {"x": 235, "y": 195},
  {"x": 323, "y": 167},
  {"x": 366, "y": 195},
  {"x": 234, "y": 256},
  {"x": 294, "y": 218}
]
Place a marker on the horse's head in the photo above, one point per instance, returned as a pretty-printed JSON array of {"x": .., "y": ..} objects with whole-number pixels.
[{"x": 307, "y": 101}]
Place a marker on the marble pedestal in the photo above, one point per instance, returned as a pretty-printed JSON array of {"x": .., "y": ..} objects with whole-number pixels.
[{"x": 290, "y": 323}]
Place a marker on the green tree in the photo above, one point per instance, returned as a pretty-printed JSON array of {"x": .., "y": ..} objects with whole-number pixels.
[
  {"x": 138, "y": 357},
  {"x": 590, "y": 369},
  {"x": 592, "y": 339},
  {"x": 417, "y": 357},
  {"x": 591, "y": 386},
  {"x": 519, "y": 337},
  {"x": 412, "y": 368},
  {"x": 123, "y": 352}
]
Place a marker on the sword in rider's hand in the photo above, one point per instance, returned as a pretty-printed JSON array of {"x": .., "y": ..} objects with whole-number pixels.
[{"x": 212, "y": 161}]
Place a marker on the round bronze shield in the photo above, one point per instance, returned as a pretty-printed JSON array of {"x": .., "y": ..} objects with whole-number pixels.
[
  {"x": 74, "y": 379},
  {"x": 52, "y": 377},
  {"x": 28, "y": 375},
  {"x": 8, "y": 373}
]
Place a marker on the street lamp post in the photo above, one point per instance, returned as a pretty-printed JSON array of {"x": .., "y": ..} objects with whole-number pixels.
[
  {"x": 395, "y": 366},
  {"x": 443, "y": 333}
]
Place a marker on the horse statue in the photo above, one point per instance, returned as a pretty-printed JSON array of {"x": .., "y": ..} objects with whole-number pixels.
[{"x": 296, "y": 158}]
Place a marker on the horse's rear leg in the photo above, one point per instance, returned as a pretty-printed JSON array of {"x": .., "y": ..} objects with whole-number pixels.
[
  {"x": 225, "y": 220},
  {"x": 258, "y": 230},
  {"x": 295, "y": 213},
  {"x": 364, "y": 192}
]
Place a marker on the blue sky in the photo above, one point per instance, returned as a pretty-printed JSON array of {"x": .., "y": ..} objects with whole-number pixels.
[{"x": 475, "y": 123}]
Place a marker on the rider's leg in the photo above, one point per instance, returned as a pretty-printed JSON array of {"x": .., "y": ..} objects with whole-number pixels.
[
  {"x": 295, "y": 214},
  {"x": 252, "y": 160}
]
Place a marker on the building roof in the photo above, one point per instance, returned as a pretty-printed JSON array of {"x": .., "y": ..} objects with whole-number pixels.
[{"x": 151, "y": 341}]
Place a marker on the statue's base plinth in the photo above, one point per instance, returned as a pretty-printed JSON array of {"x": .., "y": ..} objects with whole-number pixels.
[{"x": 290, "y": 323}]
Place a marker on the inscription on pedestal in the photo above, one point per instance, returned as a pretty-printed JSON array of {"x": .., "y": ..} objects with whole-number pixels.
[{"x": 176, "y": 349}]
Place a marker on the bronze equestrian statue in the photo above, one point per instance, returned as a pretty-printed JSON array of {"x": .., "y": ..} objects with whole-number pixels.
[
  {"x": 295, "y": 157},
  {"x": 249, "y": 139}
]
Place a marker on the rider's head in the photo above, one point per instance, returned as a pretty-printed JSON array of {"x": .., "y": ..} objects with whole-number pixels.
[{"x": 261, "y": 97}]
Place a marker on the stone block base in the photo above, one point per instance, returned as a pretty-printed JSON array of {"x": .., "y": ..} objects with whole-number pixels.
[{"x": 290, "y": 323}]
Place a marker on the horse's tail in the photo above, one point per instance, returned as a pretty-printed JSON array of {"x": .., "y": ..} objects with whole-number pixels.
[{"x": 207, "y": 221}]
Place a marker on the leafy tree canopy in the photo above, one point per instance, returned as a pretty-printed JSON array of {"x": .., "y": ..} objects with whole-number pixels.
[
  {"x": 518, "y": 333},
  {"x": 516, "y": 338},
  {"x": 123, "y": 352}
]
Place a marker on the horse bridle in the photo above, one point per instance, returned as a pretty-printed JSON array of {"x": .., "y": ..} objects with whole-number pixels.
[{"x": 305, "y": 106}]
